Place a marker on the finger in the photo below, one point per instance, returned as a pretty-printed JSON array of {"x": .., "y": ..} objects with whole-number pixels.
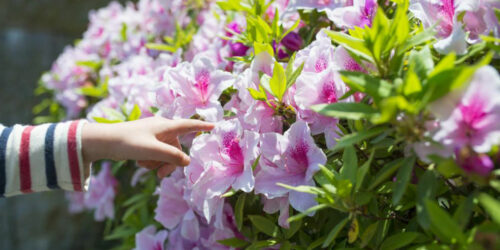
[
  {"x": 165, "y": 170},
  {"x": 184, "y": 126},
  {"x": 163, "y": 152},
  {"x": 177, "y": 144},
  {"x": 152, "y": 165}
]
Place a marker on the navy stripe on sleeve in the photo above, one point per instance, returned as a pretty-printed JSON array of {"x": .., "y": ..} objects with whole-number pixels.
[
  {"x": 50, "y": 167},
  {"x": 4, "y": 137}
]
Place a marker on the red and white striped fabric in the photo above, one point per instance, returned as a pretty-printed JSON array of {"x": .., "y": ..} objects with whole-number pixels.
[{"x": 40, "y": 158}]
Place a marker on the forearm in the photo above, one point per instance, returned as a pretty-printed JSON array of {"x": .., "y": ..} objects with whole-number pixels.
[{"x": 39, "y": 158}]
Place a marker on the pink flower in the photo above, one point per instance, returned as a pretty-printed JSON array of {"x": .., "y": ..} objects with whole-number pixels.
[
  {"x": 319, "y": 88},
  {"x": 317, "y": 56},
  {"x": 344, "y": 61},
  {"x": 102, "y": 193},
  {"x": 76, "y": 202},
  {"x": 222, "y": 160},
  {"x": 471, "y": 118},
  {"x": 262, "y": 118},
  {"x": 173, "y": 210},
  {"x": 319, "y": 5},
  {"x": 198, "y": 86},
  {"x": 149, "y": 239},
  {"x": 292, "y": 41},
  {"x": 479, "y": 164},
  {"x": 478, "y": 19},
  {"x": 280, "y": 204},
  {"x": 354, "y": 13},
  {"x": 292, "y": 159}
]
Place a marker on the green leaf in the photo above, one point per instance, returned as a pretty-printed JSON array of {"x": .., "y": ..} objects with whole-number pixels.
[
  {"x": 293, "y": 229},
  {"x": 263, "y": 47},
  {"x": 491, "y": 205},
  {"x": 262, "y": 244},
  {"x": 104, "y": 120},
  {"x": 278, "y": 81},
  {"x": 443, "y": 225},
  {"x": 257, "y": 95},
  {"x": 229, "y": 193},
  {"x": 334, "y": 232},
  {"x": 387, "y": 171},
  {"x": 368, "y": 234},
  {"x": 290, "y": 79},
  {"x": 307, "y": 212},
  {"x": 94, "y": 65},
  {"x": 399, "y": 240},
  {"x": 289, "y": 67},
  {"x": 346, "y": 110},
  {"x": 120, "y": 232},
  {"x": 238, "y": 208},
  {"x": 135, "y": 114},
  {"x": 403, "y": 178},
  {"x": 286, "y": 245},
  {"x": 362, "y": 171},
  {"x": 422, "y": 62},
  {"x": 464, "y": 211},
  {"x": 123, "y": 32},
  {"x": 426, "y": 189},
  {"x": 412, "y": 83},
  {"x": 373, "y": 86},
  {"x": 357, "y": 137},
  {"x": 418, "y": 39},
  {"x": 161, "y": 47},
  {"x": 264, "y": 225},
  {"x": 294, "y": 26},
  {"x": 350, "y": 165},
  {"x": 234, "y": 242},
  {"x": 354, "y": 45},
  {"x": 303, "y": 188},
  {"x": 328, "y": 174},
  {"x": 114, "y": 114}
]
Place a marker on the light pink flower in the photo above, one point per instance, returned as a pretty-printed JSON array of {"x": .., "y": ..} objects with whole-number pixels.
[
  {"x": 317, "y": 56},
  {"x": 76, "y": 202},
  {"x": 138, "y": 176},
  {"x": 100, "y": 109},
  {"x": 222, "y": 160},
  {"x": 452, "y": 33},
  {"x": 149, "y": 239},
  {"x": 102, "y": 193},
  {"x": 319, "y": 5},
  {"x": 292, "y": 159},
  {"x": 198, "y": 86},
  {"x": 173, "y": 210},
  {"x": 319, "y": 88},
  {"x": 280, "y": 204},
  {"x": 353, "y": 13},
  {"x": 474, "y": 115},
  {"x": 262, "y": 118}
]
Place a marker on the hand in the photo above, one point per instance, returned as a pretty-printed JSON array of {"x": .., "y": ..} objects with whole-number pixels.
[{"x": 153, "y": 142}]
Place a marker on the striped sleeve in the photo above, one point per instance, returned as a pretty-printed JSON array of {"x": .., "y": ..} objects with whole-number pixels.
[{"x": 41, "y": 158}]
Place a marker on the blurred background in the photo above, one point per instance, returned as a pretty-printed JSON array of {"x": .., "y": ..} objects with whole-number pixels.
[{"x": 32, "y": 35}]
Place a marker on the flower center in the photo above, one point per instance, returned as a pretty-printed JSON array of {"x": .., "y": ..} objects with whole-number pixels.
[
  {"x": 202, "y": 82},
  {"x": 472, "y": 115},
  {"x": 321, "y": 64},
  {"x": 446, "y": 13},
  {"x": 328, "y": 94},
  {"x": 232, "y": 152},
  {"x": 298, "y": 155}
]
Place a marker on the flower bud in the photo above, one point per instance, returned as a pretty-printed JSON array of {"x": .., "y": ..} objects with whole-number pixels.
[{"x": 292, "y": 41}]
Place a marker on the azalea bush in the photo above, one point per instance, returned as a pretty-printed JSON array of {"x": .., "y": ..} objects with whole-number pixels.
[{"x": 339, "y": 124}]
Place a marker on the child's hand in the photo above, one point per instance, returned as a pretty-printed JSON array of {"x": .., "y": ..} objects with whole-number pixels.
[{"x": 153, "y": 142}]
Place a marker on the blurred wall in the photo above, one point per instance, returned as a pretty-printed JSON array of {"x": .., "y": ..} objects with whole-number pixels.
[{"x": 32, "y": 35}]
